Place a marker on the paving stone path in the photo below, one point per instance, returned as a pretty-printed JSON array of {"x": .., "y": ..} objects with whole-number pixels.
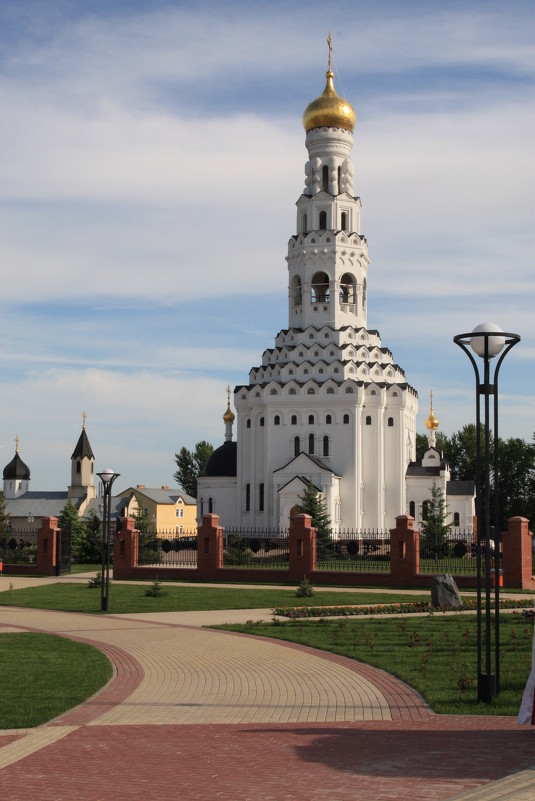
[{"x": 196, "y": 714}]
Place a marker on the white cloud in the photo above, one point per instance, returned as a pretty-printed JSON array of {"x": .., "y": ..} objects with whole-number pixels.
[{"x": 149, "y": 166}]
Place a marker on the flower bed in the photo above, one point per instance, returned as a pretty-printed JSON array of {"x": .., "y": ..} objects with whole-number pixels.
[{"x": 468, "y": 605}]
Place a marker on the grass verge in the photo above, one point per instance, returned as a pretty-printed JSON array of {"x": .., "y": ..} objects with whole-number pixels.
[
  {"x": 126, "y": 598},
  {"x": 436, "y": 655},
  {"x": 44, "y": 675}
]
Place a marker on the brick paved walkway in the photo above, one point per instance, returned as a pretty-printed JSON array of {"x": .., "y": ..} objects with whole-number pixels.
[{"x": 196, "y": 715}]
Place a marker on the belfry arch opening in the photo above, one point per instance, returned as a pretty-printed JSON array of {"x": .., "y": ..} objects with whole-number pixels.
[
  {"x": 320, "y": 288},
  {"x": 347, "y": 288},
  {"x": 296, "y": 291},
  {"x": 322, "y": 220}
]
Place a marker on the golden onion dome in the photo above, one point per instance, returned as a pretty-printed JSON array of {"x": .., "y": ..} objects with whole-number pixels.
[
  {"x": 431, "y": 423},
  {"x": 329, "y": 110},
  {"x": 228, "y": 417}
]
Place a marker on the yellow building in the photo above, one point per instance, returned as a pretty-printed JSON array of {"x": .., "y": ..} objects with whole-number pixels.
[{"x": 168, "y": 510}]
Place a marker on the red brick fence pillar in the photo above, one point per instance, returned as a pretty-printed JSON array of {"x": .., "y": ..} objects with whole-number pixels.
[
  {"x": 209, "y": 547},
  {"x": 517, "y": 559},
  {"x": 404, "y": 552},
  {"x": 48, "y": 547},
  {"x": 302, "y": 547},
  {"x": 125, "y": 549}
]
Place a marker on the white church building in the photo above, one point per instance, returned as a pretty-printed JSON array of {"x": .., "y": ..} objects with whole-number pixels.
[{"x": 328, "y": 404}]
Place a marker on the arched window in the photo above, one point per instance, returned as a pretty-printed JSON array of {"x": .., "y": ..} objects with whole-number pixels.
[
  {"x": 248, "y": 424},
  {"x": 330, "y": 391},
  {"x": 412, "y": 509},
  {"x": 304, "y": 224},
  {"x": 261, "y": 422},
  {"x": 311, "y": 419},
  {"x": 346, "y": 419},
  {"x": 320, "y": 288},
  {"x": 311, "y": 443},
  {"x": 344, "y": 221},
  {"x": 202, "y": 506},
  {"x": 456, "y": 519},
  {"x": 368, "y": 420},
  {"x": 297, "y": 446},
  {"x": 294, "y": 419},
  {"x": 328, "y": 420},
  {"x": 323, "y": 221},
  {"x": 425, "y": 510},
  {"x": 261, "y": 498},
  {"x": 210, "y": 505},
  {"x": 247, "y": 497},
  {"x": 78, "y": 466},
  {"x": 349, "y": 390},
  {"x": 391, "y": 422},
  {"x": 311, "y": 391},
  {"x": 325, "y": 178},
  {"x": 325, "y": 445},
  {"x": 292, "y": 391},
  {"x": 276, "y": 420},
  {"x": 347, "y": 288}
]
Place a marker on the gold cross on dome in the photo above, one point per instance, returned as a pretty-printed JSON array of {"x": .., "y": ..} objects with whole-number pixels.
[
  {"x": 17, "y": 443},
  {"x": 330, "y": 45}
]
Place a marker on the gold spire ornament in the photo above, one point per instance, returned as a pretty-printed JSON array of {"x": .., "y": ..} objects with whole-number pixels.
[
  {"x": 16, "y": 443},
  {"x": 431, "y": 423},
  {"x": 329, "y": 110},
  {"x": 228, "y": 417},
  {"x": 83, "y": 419}
]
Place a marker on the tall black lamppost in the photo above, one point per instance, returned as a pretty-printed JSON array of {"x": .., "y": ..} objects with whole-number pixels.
[
  {"x": 487, "y": 341},
  {"x": 107, "y": 478}
]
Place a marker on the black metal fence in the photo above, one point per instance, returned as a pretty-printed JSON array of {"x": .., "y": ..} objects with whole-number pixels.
[
  {"x": 357, "y": 552},
  {"x": 452, "y": 552},
  {"x": 168, "y": 549},
  {"x": 253, "y": 548},
  {"x": 19, "y": 547}
]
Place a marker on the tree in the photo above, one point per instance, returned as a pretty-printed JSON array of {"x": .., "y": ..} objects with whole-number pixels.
[
  {"x": 69, "y": 520},
  {"x": 312, "y": 503},
  {"x": 4, "y": 526},
  {"x": 141, "y": 516},
  {"x": 434, "y": 530},
  {"x": 86, "y": 543},
  {"x": 4, "y": 517},
  {"x": 191, "y": 465},
  {"x": 516, "y": 480}
]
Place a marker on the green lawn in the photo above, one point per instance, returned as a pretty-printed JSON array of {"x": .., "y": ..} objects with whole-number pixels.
[
  {"x": 131, "y": 598},
  {"x": 44, "y": 675},
  {"x": 436, "y": 655}
]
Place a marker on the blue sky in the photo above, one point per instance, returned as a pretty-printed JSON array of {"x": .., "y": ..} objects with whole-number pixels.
[{"x": 152, "y": 154}]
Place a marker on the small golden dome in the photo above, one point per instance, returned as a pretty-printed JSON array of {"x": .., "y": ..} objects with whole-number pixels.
[
  {"x": 228, "y": 417},
  {"x": 329, "y": 110},
  {"x": 431, "y": 423}
]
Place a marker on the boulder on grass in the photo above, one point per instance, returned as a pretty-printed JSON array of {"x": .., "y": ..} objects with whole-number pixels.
[{"x": 444, "y": 592}]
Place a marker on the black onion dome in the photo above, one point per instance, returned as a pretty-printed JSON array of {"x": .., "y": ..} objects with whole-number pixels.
[
  {"x": 223, "y": 461},
  {"x": 16, "y": 469}
]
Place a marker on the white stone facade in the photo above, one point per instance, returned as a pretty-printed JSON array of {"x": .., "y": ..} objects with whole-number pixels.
[{"x": 327, "y": 404}]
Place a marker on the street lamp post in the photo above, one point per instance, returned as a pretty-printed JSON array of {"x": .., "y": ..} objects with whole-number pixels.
[
  {"x": 107, "y": 478},
  {"x": 487, "y": 341}
]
